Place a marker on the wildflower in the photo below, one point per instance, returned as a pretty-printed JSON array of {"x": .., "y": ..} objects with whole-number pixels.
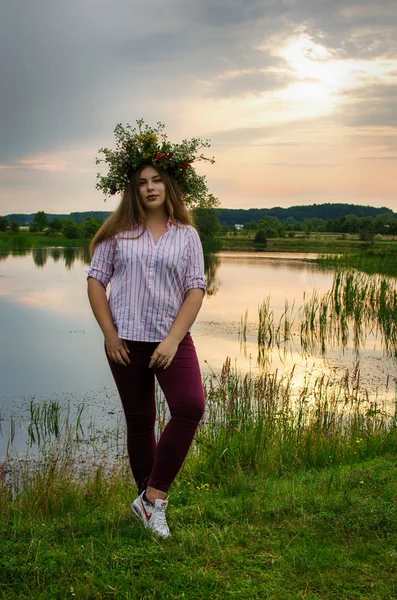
[
  {"x": 330, "y": 433},
  {"x": 203, "y": 422},
  {"x": 361, "y": 483},
  {"x": 203, "y": 486},
  {"x": 86, "y": 494},
  {"x": 149, "y": 145}
]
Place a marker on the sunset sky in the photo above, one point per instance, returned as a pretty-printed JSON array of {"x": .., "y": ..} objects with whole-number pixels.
[{"x": 299, "y": 97}]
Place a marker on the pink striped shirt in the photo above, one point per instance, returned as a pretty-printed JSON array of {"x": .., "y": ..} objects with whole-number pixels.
[{"x": 148, "y": 279}]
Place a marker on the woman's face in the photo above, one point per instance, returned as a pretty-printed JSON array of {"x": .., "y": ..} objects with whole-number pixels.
[{"x": 152, "y": 189}]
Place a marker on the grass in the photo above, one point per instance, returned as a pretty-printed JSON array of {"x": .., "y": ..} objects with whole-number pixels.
[
  {"x": 326, "y": 244},
  {"x": 286, "y": 494},
  {"x": 26, "y": 240},
  {"x": 327, "y": 534},
  {"x": 321, "y": 243},
  {"x": 381, "y": 260},
  {"x": 358, "y": 305}
]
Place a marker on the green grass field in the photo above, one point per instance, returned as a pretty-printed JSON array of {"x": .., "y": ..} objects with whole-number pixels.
[
  {"x": 322, "y": 243},
  {"x": 313, "y": 534},
  {"x": 25, "y": 240},
  {"x": 277, "y": 499}
]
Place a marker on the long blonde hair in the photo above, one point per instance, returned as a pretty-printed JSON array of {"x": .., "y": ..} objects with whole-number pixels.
[{"x": 130, "y": 213}]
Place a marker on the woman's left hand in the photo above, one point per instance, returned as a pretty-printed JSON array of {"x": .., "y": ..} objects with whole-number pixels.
[{"x": 164, "y": 354}]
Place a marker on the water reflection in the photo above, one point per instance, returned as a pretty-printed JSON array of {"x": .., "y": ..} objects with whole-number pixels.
[
  {"x": 40, "y": 256},
  {"x": 70, "y": 255},
  {"x": 4, "y": 254},
  {"x": 211, "y": 266},
  {"x": 56, "y": 253},
  {"x": 45, "y": 311}
]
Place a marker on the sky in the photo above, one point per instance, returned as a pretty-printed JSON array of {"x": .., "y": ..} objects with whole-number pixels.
[{"x": 298, "y": 97}]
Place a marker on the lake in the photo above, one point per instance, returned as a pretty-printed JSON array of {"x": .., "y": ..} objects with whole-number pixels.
[{"x": 52, "y": 348}]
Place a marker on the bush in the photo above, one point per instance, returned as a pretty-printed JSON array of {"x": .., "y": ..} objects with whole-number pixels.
[
  {"x": 260, "y": 238},
  {"x": 14, "y": 227},
  {"x": 39, "y": 223},
  {"x": 366, "y": 235},
  {"x": 89, "y": 227},
  {"x": 71, "y": 230}
]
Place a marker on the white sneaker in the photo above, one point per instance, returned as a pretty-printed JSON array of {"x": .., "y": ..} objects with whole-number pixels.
[{"x": 152, "y": 515}]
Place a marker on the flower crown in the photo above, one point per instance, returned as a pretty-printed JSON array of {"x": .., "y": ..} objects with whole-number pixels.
[{"x": 150, "y": 146}]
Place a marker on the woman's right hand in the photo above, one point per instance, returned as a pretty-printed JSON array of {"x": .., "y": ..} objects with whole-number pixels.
[{"x": 117, "y": 349}]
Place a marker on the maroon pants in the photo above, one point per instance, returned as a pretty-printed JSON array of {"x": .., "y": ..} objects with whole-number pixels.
[{"x": 152, "y": 464}]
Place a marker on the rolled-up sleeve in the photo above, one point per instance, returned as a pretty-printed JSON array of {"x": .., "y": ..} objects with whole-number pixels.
[
  {"x": 102, "y": 264},
  {"x": 195, "y": 274}
]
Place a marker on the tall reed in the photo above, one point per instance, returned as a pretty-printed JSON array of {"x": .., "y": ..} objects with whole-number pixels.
[
  {"x": 356, "y": 306},
  {"x": 268, "y": 424},
  {"x": 370, "y": 260}
]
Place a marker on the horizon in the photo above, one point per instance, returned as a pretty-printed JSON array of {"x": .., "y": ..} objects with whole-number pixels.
[
  {"x": 365, "y": 206},
  {"x": 298, "y": 97}
]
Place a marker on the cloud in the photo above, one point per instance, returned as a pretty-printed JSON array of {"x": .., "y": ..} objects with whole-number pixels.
[
  {"x": 296, "y": 165},
  {"x": 241, "y": 136},
  {"x": 369, "y": 113},
  {"x": 379, "y": 141},
  {"x": 238, "y": 84},
  {"x": 353, "y": 28},
  {"x": 374, "y": 90},
  {"x": 378, "y": 158},
  {"x": 279, "y": 74}
]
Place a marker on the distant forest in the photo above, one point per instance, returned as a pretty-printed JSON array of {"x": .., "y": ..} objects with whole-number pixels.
[
  {"x": 327, "y": 212},
  {"x": 233, "y": 216}
]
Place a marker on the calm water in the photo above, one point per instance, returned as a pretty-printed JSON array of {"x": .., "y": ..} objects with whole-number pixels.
[{"x": 52, "y": 347}]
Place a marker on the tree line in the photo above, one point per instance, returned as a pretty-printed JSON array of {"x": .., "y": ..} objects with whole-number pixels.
[
  {"x": 206, "y": 221},
  {"x": 55, "y": 227},
  {"x": 231, "y": 216},
  {"x": 210, "y": 224},
  {"x": 385, "y": 224},
  {"x": 326, "y": 212}
]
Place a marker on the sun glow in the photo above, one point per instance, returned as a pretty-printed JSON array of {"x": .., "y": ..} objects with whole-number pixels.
[
  {"x": 322, "y": 78},
  {"x": 314, "y": 61}
]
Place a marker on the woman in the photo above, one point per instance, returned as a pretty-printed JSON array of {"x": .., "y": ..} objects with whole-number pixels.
[{"x": 152, "y": 256}]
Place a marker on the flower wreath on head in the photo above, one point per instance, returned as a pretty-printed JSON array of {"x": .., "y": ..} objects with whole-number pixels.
[{"x": 150, "y": 146}]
